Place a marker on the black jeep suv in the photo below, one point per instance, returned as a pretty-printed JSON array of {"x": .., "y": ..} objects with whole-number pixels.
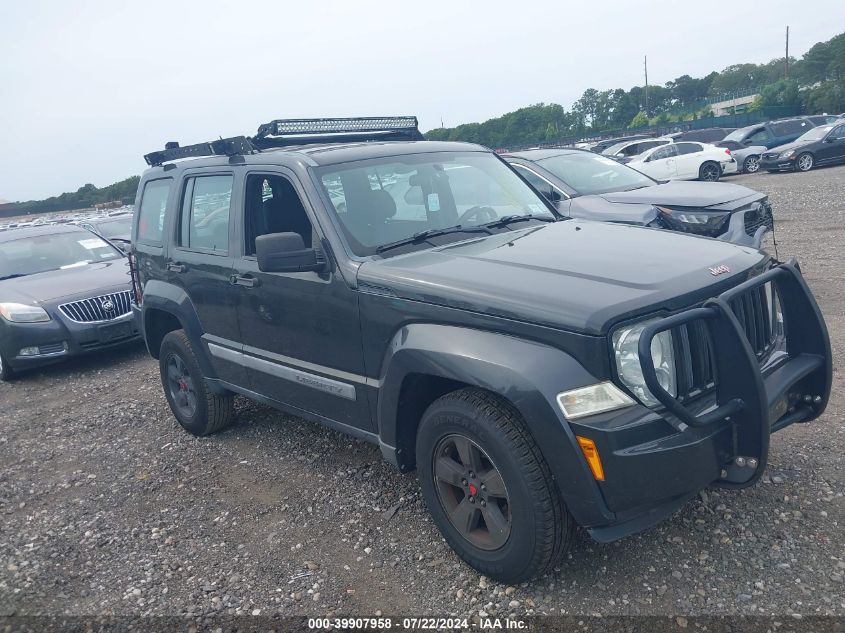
[{"x": 538, "y": 372}]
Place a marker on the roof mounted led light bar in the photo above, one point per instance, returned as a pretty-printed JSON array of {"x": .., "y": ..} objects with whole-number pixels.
[
  {"x": 356, "y": 125},
  {"x": 288, "y": 132}
]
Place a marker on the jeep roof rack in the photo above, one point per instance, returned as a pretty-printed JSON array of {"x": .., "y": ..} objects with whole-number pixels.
[{"x": 288, "y": 132}]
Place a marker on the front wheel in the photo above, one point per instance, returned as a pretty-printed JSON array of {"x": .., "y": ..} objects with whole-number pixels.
[
  {"x": 804, "y": 162},
  {"x": 198, "y": 409},
  {"x": 751, "y": 165},
  {"x": 488, "y": 488},
  {"x": 6, "y": 371},
  {"x": 710, "y": 171}
]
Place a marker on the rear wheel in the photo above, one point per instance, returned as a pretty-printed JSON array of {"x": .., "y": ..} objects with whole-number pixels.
[
  {"x": 488, "y": 487},
  {"x": 710, "y": 171},
  {"x": 804, "y": 162},
  {"x": 751, "y": 165},
  {"x": 198, "y": 409}
]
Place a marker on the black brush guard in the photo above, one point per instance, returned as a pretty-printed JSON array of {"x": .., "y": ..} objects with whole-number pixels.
[{"x": 796, "y": 391}]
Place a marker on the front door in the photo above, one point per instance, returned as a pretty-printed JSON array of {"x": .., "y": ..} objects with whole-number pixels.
[
  {"x": 661, "y": 163},
  {"x": 201, "y": 261},
  {"x": 832, "y": 149},
  {"x": 300, "y": 331}
]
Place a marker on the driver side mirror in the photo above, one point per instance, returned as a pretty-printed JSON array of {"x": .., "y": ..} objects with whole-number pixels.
[{"x": 285, "y": 253}]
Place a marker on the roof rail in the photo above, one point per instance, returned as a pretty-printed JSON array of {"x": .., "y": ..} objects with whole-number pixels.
[
  {"x": 283, "y": 132},
  {"x": 221, "y": 147},
  {"x": 286, "y": 132}
]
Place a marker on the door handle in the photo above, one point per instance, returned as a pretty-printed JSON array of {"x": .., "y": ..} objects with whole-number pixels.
[
  {"x": 247, "y": 281},
  {"x": 176, "y": 268}
]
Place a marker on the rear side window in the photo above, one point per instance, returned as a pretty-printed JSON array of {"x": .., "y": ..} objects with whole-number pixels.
[
  {"x": 153, "y": 206},
  {"x": 204, "y": 223},
  {"x": 689, "y": 148},
  {"x": 787, "y": 128}
]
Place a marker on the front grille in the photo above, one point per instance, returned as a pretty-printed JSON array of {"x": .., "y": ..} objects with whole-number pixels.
[
  {"x": 695, "y": 361},
  {"x": 97, "y": 308},
  {"x": 770, "y": 155},
  {"x": 761, "y": 215}
]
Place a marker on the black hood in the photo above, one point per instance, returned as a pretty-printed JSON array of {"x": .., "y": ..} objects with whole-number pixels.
[
  {"x": 794, "y": 145},
  {"x": 574, "y": 275},
  {"x": 89, "y": 280}
]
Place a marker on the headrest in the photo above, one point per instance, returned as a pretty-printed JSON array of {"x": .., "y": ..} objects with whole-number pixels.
[{"x": 375, "y": 207}]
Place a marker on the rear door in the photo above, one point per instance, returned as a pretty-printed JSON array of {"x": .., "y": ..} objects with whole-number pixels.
[
  {"x": 201, "y": 259},
  {"x": 690, "y": 157}
]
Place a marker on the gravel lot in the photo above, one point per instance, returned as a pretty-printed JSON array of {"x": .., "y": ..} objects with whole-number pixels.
[{"x": 109, "y": 507}]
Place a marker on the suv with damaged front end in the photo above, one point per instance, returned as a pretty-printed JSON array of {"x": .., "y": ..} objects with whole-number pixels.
[{"x": 537, "y": 372}]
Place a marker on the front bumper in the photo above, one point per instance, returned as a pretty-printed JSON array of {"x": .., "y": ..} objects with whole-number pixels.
[
  {"x": 61, "y": 338},
  {"x": 655, "y": 460},
  {"x": 774, "y": 163}
]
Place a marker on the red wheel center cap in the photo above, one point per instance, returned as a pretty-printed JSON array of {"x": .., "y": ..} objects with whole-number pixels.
[{"x": 473, "y": 490}]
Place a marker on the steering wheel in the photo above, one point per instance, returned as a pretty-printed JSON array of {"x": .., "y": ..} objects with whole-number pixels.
[{"x": 478, "y": 215}]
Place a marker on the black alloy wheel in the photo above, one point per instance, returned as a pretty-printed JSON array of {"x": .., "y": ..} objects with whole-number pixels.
[
  {"x": 181, "y": 386},
  {"x": 472, "y": 492},
  {"x": 710, "y": 172}
]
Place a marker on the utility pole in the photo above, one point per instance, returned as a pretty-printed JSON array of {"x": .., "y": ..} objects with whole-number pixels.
[
  {"x": 786, "y": 59},
  {"x": 645, "y": 68}
]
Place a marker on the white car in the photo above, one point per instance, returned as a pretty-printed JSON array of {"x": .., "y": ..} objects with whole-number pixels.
[{"x": 685, "y": 161}]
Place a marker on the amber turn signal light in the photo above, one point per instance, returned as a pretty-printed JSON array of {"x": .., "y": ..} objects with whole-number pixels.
[{"x": 591, "y": 454}]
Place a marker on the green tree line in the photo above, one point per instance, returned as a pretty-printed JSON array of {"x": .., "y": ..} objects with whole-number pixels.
[
  {"x": 83, "y": 198},
  {"x": 813, "y": 84}
]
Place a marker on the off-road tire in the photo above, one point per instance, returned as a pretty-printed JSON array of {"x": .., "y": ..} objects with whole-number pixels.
[
  {"x": 213, "y": 411},
  {"x": 707, "y": 168},
  {"x": 541, "y": 528}
]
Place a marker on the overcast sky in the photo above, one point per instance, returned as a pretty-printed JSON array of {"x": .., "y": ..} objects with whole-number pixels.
[{"x": 86, "y": 88}]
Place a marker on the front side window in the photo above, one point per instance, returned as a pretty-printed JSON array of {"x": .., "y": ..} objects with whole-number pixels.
[
  {"x": 665, "y": 152},
  {"x": 381, "y": 201},
  {"x": 206, "y": 203},
  {"x": 639, "y": 148},
  {"x": 55, "y": 251},
  {"x": 151, "y": 213},
  {"x": 273, "y": 206},
  {"x": 543, "y": 186}
]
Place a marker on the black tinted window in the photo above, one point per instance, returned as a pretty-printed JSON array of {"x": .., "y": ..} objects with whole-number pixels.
[
  {"x": 689, "y": 148},
  {"x": 151, "y": 214},
  {"x": 205, "y": 213}
]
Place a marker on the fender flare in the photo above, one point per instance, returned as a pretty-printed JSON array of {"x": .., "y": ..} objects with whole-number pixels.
[
  {"x": 160, "y": 295},
  {"x": 528, "y": 374}
]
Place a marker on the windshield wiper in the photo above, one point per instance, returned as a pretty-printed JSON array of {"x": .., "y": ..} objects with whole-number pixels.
[
  {"x": 510, "y": 219},
  {"x": 422, "y": 236},
  {"x": 13, "y": 276}
]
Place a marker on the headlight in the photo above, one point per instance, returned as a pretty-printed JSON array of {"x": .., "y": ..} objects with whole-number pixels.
[
  {"x": 626, "y": 341},
  {"x": 699, "y": 222},
  {"x": 786, "y": 154},
  {"x": 584, "y": 401},
  {"x": 22, "y": 313}
]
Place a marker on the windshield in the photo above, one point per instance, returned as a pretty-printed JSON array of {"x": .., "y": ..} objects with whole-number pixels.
[
  {"x": 40, "y": 253},
  {"x": 737, "y": 135},
  {"x": 115, "y": 228},
  {"x": 815, "y": 134},
  {"x": 384, "y": 200},
  {"x": 589, "y": 173}
]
